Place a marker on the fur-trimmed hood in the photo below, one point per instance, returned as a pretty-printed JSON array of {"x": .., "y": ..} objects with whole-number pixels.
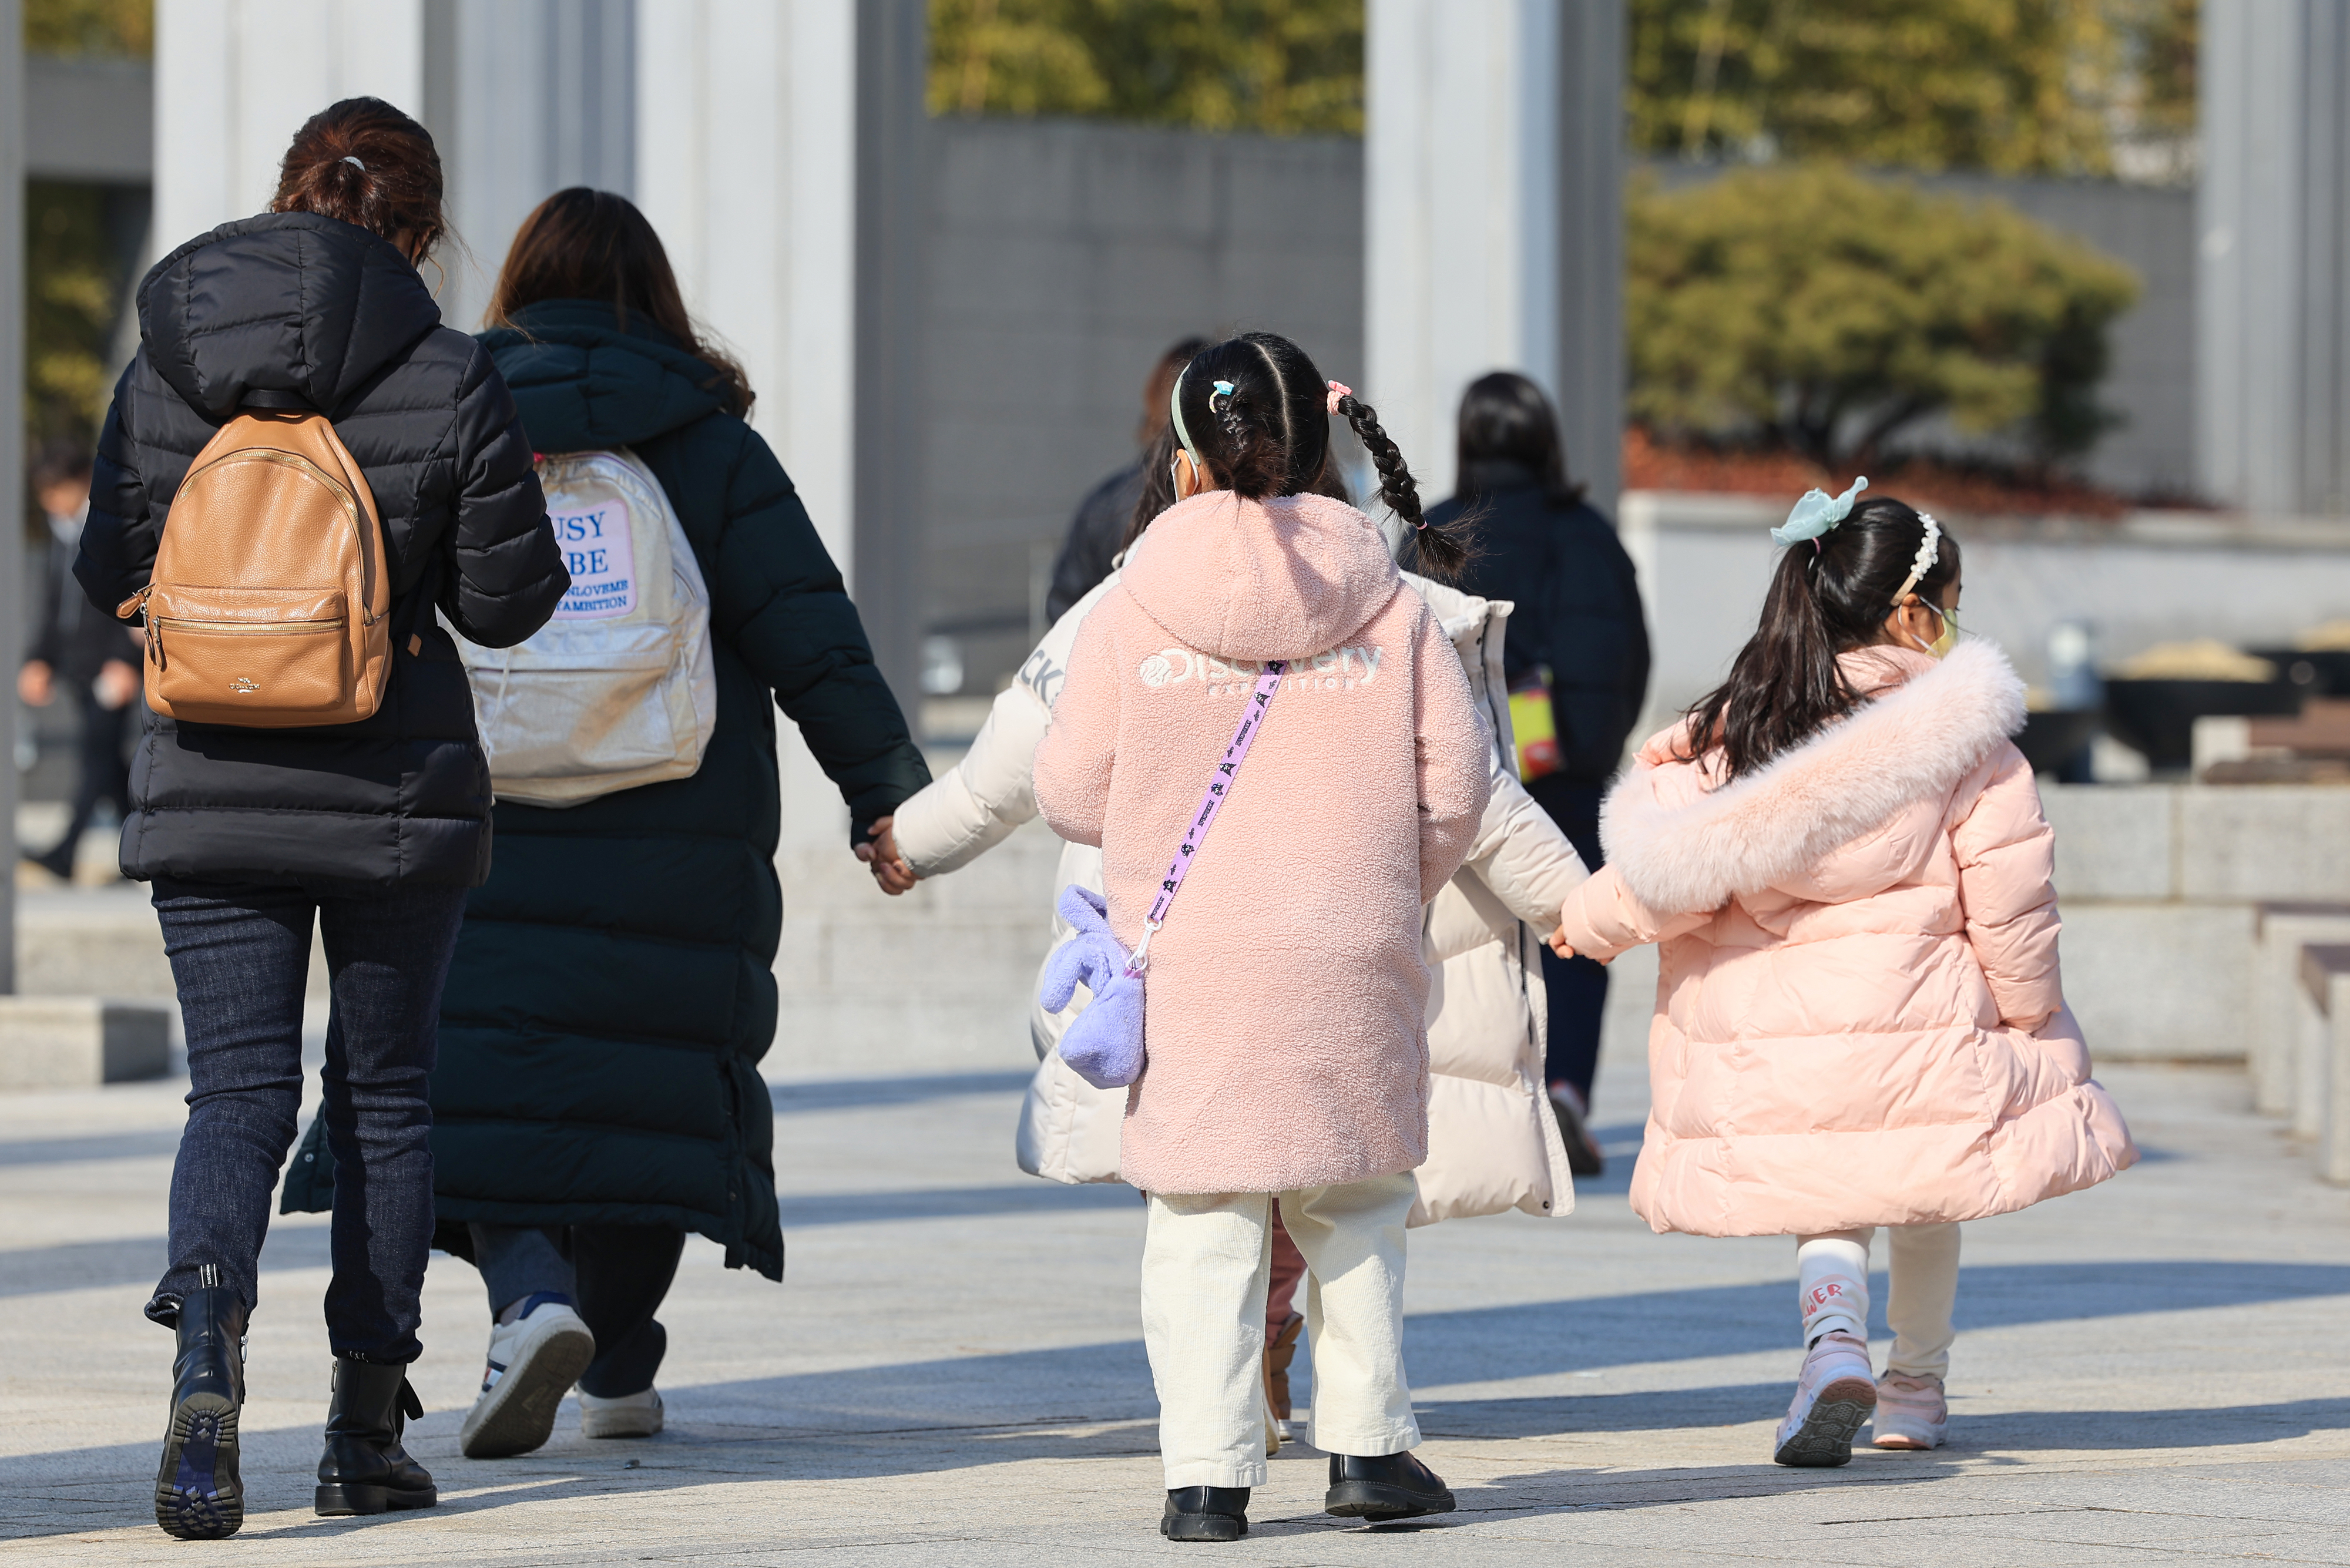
[{"x": 1917, "y": 741}]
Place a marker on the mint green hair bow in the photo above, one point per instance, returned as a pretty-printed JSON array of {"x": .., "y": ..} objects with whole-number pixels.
[{"x": 1816, "y": 513}]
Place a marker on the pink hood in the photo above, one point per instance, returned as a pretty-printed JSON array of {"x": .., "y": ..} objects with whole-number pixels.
[{"x": 1262, "y": 579}]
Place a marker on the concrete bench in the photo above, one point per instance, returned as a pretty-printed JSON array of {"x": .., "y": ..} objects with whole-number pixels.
[
  {"x": 2286, "y": 1038},
  {"x": 81, "y": 1042},
  {"x": 2326, "y": 976}
]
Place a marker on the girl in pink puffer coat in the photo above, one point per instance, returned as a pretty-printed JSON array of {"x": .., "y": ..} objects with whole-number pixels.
[{"x": 1859, "y": 1016}]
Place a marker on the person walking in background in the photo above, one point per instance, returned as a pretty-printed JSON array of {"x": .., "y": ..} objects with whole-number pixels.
[
  {"x": 1492, "y": 1144},
  {"x": 1098, "y": 532},
  {"x": 83, "y": 650},
  {"x": 1845, "y": 858},
  {"x": 598, "y": 1096},
  {"x": 372, "y": 829},
  {"x": 1577, "y": 658},
  {"x": 1288, "y": 1057}
]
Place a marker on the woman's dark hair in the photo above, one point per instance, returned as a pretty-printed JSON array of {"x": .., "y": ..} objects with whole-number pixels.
[
  {"x": 581, "y": 244},
  {"x": 1505, "y": 419},
  {"x": 1785, "y": 684},
  {"x": 362, "y": 162},
  {"x": 1270, "y": 434}
]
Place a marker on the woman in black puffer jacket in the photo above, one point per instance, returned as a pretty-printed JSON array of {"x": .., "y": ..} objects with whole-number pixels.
[{"x": 373, "y": 829}]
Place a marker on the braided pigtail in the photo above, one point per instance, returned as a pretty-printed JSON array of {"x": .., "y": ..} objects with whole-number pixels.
[{"x": 1442, "y": 556}]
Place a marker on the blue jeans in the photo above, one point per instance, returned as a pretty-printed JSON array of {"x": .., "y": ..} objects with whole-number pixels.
[{"x": 241, "y": 958}]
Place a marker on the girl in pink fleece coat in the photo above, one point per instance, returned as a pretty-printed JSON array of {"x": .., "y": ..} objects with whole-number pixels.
[
  {"x": 1287, "y": 1059},
  {"x": 1859, "y": 1016}
]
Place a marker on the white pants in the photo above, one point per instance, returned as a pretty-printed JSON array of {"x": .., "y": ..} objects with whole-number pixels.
[
  {"x": 1832, "y": 1275},
  {"x": 1206, "y": 1262}
]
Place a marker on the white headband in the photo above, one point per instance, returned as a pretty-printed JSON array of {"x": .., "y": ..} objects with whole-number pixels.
[{"x": 1929, "y": 550}]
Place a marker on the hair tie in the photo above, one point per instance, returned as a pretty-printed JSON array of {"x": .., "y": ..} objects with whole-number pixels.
[
  {"x": 1816, "y": 513},
  {"x": 1221, "y": 390},
  {"x": 1339, "y": 389},
  {"x": 355, "y": 163}
]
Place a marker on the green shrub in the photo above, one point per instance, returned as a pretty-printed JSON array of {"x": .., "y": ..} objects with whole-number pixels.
[{"x": 1813, "y": 307}]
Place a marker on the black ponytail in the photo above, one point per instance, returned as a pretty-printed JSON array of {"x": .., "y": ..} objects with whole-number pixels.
[
  {"x": 1258, "y": 412},
  {"x": 1828, "y": 597}
]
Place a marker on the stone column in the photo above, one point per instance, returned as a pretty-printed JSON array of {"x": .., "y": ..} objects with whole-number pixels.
[
  {"x": 524, "y": 98},
  {"x": 1494, "y": 196},
  {"x": 2272, "y": 384},
  {"x": 12, "y": 428},
  {"x": 236, "y": 78},
  {"x": 780, "y": 153}
]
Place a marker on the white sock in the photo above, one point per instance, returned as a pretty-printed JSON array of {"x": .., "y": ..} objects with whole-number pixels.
[{"x": 1832, "y": 1275}]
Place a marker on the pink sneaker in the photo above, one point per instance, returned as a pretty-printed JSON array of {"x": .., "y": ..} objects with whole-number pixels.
[
  {"x": 1833, "y": 1400},
  {"x": 1910, "y": 1412}
]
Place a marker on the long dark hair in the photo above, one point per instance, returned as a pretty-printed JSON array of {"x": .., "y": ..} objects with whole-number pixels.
[
  {"x": 1270, "y": 435},
  {"x": 581, "y": 244},
  {"x": 362, "y": 162},
  {"x": 1505, "y": 417},
  {"x": 1784, "y": 684}
]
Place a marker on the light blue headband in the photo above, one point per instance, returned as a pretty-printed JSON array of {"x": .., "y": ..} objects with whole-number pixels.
[
  {"x": 1175, "y": 407},
  {"x": 1815, "y": 514}
]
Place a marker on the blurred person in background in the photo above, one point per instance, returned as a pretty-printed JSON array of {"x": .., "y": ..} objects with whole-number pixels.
[
  {"x": 1576, "y": 660},
  {"x": 371, "y": 830},
  {"x": 1097, "y": 533},
  {"x": 82, "y": 650}
]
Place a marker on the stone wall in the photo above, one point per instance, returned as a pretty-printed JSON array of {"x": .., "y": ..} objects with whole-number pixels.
[{"x": 1065, "y": 257}]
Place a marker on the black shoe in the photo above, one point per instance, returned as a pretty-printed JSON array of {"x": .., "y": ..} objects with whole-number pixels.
[
  {"x": 198, "y": 1494},
  {"x": 1583, "y": 1156},
  {"x": 364, "y": 1468},
  {"x": 1205, "y": 1513},
  {"x": 1391, "y": 1486},
  {"x": 59, "y": 862}
]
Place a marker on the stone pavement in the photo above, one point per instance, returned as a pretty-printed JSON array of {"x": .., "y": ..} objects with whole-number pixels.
[{"x": 2152, "y": 1372}]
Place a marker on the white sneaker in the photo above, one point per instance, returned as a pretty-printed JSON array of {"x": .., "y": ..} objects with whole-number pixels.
[
  {"x": 628, "y": 1416},
  {"x": 1833, "y": 1400},
  {"x": 533, "y": 1362},
  {"x": 1911, "y": 1412}
]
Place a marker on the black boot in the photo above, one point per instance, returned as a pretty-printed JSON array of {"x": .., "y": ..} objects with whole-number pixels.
[
  {"x": 364, "y": 1468},
  {"x": 198, "y": 1494},
  {"x": 1391, "y": 1486},
  {"x": 1205, "y": 1513}
]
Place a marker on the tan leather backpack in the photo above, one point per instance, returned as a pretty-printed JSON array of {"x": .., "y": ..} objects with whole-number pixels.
[{"x": 269, "y": 603}]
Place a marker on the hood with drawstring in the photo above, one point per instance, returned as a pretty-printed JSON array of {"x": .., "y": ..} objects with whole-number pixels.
[
  {"x": 292, "y": 310},
  {"x": 1286, "y": 992}
]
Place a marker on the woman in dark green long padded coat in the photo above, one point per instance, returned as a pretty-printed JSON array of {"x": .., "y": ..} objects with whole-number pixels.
[{"x": 599, "y": 1093}]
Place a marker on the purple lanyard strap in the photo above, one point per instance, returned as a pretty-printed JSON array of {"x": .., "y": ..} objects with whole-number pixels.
[{"x": 1268, "y": 681}]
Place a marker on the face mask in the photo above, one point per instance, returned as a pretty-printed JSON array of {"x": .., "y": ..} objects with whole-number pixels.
[{"x": 1940, "y": 647}]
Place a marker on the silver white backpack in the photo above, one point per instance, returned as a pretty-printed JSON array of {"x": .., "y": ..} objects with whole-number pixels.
[{"x": 619, "y": 688}]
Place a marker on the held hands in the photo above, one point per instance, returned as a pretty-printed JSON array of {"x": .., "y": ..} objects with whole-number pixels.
[
  {"x": 890, "y": 869},
  {"x": 36, "y": 683},
  {"x": 1559, "y": 945}
]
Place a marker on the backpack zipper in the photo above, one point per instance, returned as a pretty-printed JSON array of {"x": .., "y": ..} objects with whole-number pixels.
[{"x": 235, "y": 627}]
